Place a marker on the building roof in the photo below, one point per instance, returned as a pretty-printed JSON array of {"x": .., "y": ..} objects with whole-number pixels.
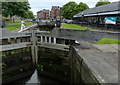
[
  {"x": 44, "y": 10},
  {"x": 108, "y": 9},
  {"x": 55, "y": 7}
]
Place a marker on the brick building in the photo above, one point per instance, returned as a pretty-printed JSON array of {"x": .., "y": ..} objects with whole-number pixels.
[
  {"x": 43, "y": 14},
  {"x": 55, "y": 12}
]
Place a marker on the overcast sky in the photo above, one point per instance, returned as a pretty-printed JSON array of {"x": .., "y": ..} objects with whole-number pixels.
[{"x": 37, "y": 5}]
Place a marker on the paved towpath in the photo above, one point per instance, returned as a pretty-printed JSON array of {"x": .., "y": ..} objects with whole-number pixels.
[{"x": 108, "y": 47}]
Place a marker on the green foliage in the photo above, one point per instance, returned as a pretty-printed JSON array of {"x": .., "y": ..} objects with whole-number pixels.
[
  {"x": 13, "y": 52},
  {"x": 68, "y": 10},
  {"x": 81, "y": 7},
  {"x": 71, "y": 8},
  {"x": 30, "y": 15},
  {"x": 102, "y": 2},
  {"x": 118, "y": 20},
  {"x": 3, "y": 54},
  {"x": 20, "y": 9},
  {"x": 40, "y": 67},
  {"x": 27, "y": 49}
]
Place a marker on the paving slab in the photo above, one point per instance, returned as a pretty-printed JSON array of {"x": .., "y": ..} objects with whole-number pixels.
[
  {"x": 102, "y": 61},
  {"x": 107, "y": 47}
]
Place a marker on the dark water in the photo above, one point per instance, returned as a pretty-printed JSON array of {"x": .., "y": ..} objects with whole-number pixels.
[{"x": 37, "y": 80}]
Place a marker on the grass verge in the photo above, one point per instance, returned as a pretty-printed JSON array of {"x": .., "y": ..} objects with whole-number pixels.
[
  {"x": 73, "y": 26},
  {"x": 17, "y": 26},
  {"x": 102, "y": 41},
  {"x": 10, "y": 22},
  {"x": 108, "y": 41}
]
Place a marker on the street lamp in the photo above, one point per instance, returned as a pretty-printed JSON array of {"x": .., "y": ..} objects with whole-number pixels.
[{"x": 60, "y": 13}]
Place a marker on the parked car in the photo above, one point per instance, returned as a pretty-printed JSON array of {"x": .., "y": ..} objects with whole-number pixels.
[{"x": 68, "y": 21}]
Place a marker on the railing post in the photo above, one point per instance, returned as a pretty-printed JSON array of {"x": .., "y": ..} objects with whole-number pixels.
[
  {"x": 34, "y": 47},
  {"x": 45, "y": 39},
  {"x": 49, "y": 39},
  {"x": 41, "y": 38},
  {"x": 54, "y": 40}
]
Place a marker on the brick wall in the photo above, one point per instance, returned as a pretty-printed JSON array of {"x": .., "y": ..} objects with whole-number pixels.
[{"x": 43, "y": 15}]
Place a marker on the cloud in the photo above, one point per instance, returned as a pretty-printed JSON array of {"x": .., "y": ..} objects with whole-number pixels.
[
  {"x": 37, "y": 5},
  {"x": 68, "y": 0}
]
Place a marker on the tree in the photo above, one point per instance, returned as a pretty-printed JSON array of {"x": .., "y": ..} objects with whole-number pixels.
[
  {"x": 7, "y": 10},
  {"x": 81, "y": 7},
  {"x": 15, "y": 8},
  {"x": 102, "y": 2},
  {"x": 68, "y": 10},
  {"x": 30, "y": 15},
  {"x": 22, "y": 8},
  {"x": 71, "y": 8}
]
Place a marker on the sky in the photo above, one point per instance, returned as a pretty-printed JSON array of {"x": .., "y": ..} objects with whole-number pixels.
[{"x": 37, "y": 5}]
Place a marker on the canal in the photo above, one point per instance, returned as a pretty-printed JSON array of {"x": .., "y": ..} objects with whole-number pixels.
[{"x": 37, "y": 80}]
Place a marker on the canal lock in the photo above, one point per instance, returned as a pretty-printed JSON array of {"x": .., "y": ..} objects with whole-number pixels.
[{"x": 52, "y": 63}]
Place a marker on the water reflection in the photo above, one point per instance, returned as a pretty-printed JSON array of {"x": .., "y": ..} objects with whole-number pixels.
[
  {"x": 37, "y": 80},
  {"x": 34, "y": 79},
  {"x": 48, "y": 81}
]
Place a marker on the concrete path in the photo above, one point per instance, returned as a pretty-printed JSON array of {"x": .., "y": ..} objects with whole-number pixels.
[
  {"x": 102, "y": 61},
  {"x": 108, "y": 47}
]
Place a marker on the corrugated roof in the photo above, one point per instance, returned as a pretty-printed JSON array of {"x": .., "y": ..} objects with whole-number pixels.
[{"x": 101, "y": 9}]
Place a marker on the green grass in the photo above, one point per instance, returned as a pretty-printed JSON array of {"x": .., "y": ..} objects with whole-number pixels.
[
  {"x": 108, "y": 41},
  {"x": 17, "y": 26},
  {"x": 102, "y": 41},
  {"x": 28, "y": 24},
  {"x": 13, "y": 27},
  {"x": 10, "y": 22},
  {"x": 73, "y": 26}
]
